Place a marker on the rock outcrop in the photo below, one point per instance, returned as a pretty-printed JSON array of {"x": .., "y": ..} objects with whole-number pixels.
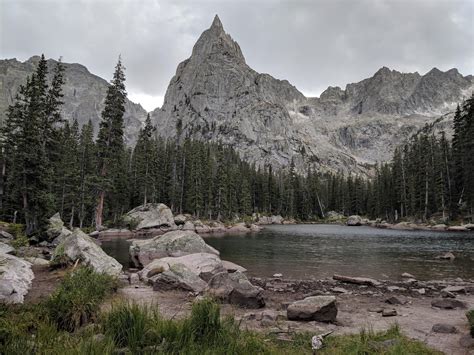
[
  {"x": 151, "y": 215},
  {"x": 178, "y": 276},
  {"x": 175, "y": 244},
  {"x": 16, "y": 277},
  {"x": 79, "y": 246}
]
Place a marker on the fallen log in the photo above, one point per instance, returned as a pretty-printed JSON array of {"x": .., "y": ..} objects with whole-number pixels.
[{"x": 356, "y": 280}]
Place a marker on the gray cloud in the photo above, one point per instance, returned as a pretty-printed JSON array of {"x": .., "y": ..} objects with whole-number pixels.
[{"x": 313, "y": 44}]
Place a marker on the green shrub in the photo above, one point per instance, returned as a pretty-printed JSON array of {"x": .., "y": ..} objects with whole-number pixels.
[
  {"x": 128, "y": 325},
  {"x": 77, "y": 299},
  {"x": 17, "y": 230},
  {"x": 470, "y": 319}
]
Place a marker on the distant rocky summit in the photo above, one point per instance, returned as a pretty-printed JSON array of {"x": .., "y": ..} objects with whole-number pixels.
[{"x": 216, "y": 96}]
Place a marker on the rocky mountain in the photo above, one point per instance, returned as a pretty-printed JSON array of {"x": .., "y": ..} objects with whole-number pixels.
[
  {"x": 84, "y": 94},
  {"x": 216, "y": 96}
]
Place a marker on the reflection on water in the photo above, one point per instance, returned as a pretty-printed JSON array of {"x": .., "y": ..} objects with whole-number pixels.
[{"x": 317, "y": 251}]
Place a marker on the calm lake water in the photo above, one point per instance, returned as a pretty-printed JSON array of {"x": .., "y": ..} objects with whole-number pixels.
[{"x": 317, "y": 251}]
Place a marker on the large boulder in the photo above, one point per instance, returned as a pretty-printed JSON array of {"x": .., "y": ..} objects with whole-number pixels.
[
  {"x": 204, "y": 265},
  {"x": 16, "y": 277},
  {"x": 55, "y": 230},
  {"x": 318, "y": 308},
  {"x": 180, "y": 219},
  {"x": 354, "y": 220},
  {"x": 6, "y": 249},
  {"x": 188, "y": 226},
  {"x": 239, "y": 228},
  {"x": 277, "y": 219},
  {"x": 175, "y": 243},
  {"x": 235, "y": 289},
  {"x": 178, "y": 276},
  {"x": 79, "y": 246},
  {"x": 151, "y": 215}
]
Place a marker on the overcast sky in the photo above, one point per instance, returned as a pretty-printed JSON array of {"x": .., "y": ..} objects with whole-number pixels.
[{"x": 313, "y": 44}]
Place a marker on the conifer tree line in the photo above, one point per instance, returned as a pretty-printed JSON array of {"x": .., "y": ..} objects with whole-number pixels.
[{"x": 50, "y": 165}]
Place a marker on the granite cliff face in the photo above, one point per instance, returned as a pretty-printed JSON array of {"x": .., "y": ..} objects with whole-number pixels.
[
  {"x": 216, "y": 96},
  {"x": 84, "y": 94}
]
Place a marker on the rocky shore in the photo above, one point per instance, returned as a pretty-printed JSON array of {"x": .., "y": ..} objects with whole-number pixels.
[{"x": 177, "y": 267}]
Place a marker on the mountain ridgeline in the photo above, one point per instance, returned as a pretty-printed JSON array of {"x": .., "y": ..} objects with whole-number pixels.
[{"x": 215, "y": 96}]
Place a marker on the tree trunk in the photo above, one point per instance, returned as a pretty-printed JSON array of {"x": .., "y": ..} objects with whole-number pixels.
[{"x": 99, "y": 210}]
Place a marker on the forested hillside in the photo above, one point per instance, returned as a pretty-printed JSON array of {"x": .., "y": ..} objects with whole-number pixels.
[{"x": 50, "y": 165}]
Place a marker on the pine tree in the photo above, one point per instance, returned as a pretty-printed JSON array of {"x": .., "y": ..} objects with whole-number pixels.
[{"x": 110, "y": 144}]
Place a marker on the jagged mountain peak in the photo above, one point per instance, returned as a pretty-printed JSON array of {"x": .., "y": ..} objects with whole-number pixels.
[
  {"x": 216, "y": 42},
  {"x": 217, "y": 24}
]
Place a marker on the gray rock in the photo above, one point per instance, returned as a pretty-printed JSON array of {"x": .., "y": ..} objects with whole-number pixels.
[
  {"x": 446, "y": 256},
  {"x": 204, "y": 265},
  {"x": 6, "y": 249},
  {"x": 151, "y": 215},
  {"x": 444, "y": 328},
  {"x": 446, "y": 294},
  {"x": 354, "y": 220},
  {"x": 455, "y": 289},
  {"x": 317, "y": 308},
  {"x": 37, "y": 261},
  {"x": 178, "y": 276},
  {"x": 175, "y": 244},
  {"x": 389, "y": 313},
  {"x": 55, "y": 230},
  {"x": 357, "y": 280},
  {"x": 276, "y": 219},
  {"x": 188, "y": 226},
  {"x": 448, "y": 303},
  {"x": 239, "y": 228},
  {"x": 80, "y": 246},
  {"x": 406, "y": 275},
  {"x": 180, "y": 219},
  {"x": 134, "y": 279},
  {"x": 235, "y": 289},
  {"x": 16, "y": 277},
  {"x": 5, "y": 235},
  {"x": 232, "y": 267}
]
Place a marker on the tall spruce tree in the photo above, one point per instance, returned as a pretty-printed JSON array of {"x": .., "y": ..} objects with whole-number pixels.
[{"x": 110, "y": 144}]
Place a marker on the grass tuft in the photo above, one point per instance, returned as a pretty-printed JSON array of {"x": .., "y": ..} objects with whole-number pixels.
[{"x": 76, "y": 301}]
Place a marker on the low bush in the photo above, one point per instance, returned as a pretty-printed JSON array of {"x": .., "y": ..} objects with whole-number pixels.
[
  {"x": 470, "y": 319},
  {"x": 77, "y": 299}
]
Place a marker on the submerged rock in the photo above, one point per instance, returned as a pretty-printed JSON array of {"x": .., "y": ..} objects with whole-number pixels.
[
  {"x": 232, "y": 267},
  {"x": 446, "y": 256},
  {"x": 16, "y": 277},
  {"x": 175, "y": 244},
  {"x": 151, "y": 215},
  {"x": 317, "y": 308},
  {"x": 79, "y": 246}
]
